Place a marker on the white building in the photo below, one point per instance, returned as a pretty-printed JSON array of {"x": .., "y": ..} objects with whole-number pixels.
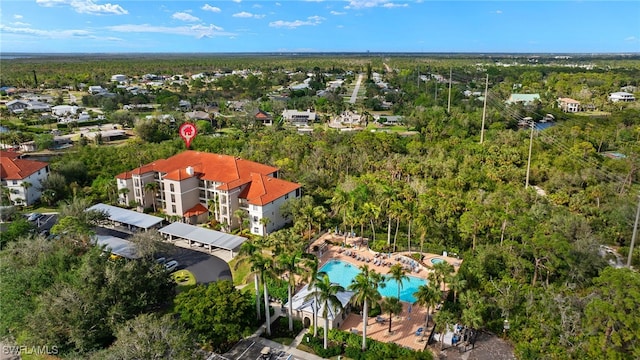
[
  {"x": 64, "y": 110},
  {"x": 569, "y": 105},
  {"x": 621, "y": 96},
  {"x": 303, "y": 308},
  {"x": 119, "y": 78},
  {"x": 22, "y": 177},
  {"x": 196, "y": 185},
  {"x": 298, "y": 118}
]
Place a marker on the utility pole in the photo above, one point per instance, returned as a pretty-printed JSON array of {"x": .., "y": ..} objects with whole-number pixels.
[
  {"x": 533, "y": 125},
  {"x": 635, "y": 233},
  {"x": 449, "y": 101},
  {"x": 484, "y": 108}
]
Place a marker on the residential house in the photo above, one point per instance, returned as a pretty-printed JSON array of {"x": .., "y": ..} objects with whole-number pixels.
[
  {"x": 299, "y": 118},
  {"x": 621, "y": 96},
  {"x": 64, "y": 110},
  {"x": 569, "y": 105},
  {"x": 23, "y": 178},
  {"x": 19, "y": 106},
  {"x": 197, "y": 115},
  {"x": 303, "y": 305},
  {"x": 525, "y": 99},
  {"x": 184, "y": 105},
  {"x": 95, "y": 90},
  {"x": 196, "y": 186},
  {"x": 263, "y": 117},
  {"x": 119, "y": 78}
]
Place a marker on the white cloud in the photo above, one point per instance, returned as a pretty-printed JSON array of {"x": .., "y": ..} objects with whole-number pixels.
[
  {"x": 257, "y": 6},
  {"x": 17, "y": 17},
  {"x": 20, "y": 23},
  {"x": 86, "y": 6},
  {"x": 55, "y": 34},
  {"x": 337, "y": 13},
  {"x": 237, "y": 1},
  {"x": 498, "y": 12},
  {"x": 245, "y": 14},
  {"x": 630, "y": 38},
  {"x": 359, "y": 4},
  {"x": 198, "y": 31},
  {"x": 183, "y": 16},
  {"x": 208, "y": 7},
  {"x": 278, "y": 4},
  {"x": 311, "y": 21},
  {"x": 394, "y": 5}
]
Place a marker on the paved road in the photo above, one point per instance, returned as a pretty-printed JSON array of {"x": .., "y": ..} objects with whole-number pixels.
[{"x": 354, "y": 95}]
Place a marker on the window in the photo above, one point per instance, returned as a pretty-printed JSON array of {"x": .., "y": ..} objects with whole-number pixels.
[
  {"x": 173, "y": 208},
  {"x": 137, "y": 192},
  {"x": 255, "y": 230},
  {"x": 255, "y": 219},
  {"x": 298, "y": 192},
  {"x": 15, "y": 182},
  {"x": 173, "y": 198},
  {"x": 286, "y": 196},
  {"x": 137, "y": 182},
  {"x": 171, "y": 188},
  {"x": 223, "y": 199},
  {"x": 224, "y": 210}
]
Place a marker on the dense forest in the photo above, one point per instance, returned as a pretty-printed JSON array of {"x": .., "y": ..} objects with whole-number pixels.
[{"x": 532, "y": 254}]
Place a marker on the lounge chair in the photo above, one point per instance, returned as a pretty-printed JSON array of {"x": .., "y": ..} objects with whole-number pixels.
[
  {"x": 380, "y": 319},
  {"x": 419, "y": 331}
]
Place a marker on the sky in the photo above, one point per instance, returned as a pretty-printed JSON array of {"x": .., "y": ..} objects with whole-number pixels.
[{"x": 157, "y": 26}]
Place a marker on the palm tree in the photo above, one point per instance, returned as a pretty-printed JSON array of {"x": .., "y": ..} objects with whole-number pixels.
[
  {"x": 391, "y": 305},
  {"x": 312, "y": 275},
  {"x": 441, "y": 272},
  {"x": 264, "y": 222},
  {"x": 457, "y": 284},
  {"x": 247, "y": 249},
  {"x": 152, "y": 187},
  {"x": 288, "y": 262},
  {"x": 340, "y": 203},
  {"x": 427, "y": 295},
  {"x": 365, "y": 287},
  {"x": 443, "y": 319},
  {"x": 26, "y": 185},
  {"x": 372, "y": 211},
  {"x": 399, "y": 274},
  {"x": 325, "y": 292},
  {"x": 240, "y": 215}
]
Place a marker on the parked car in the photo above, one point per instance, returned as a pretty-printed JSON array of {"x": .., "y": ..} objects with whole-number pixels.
[
  {"x": 34, "y": 216},
  {"x": 161, "y": 260},
  {"x": 171, "y": 265}
]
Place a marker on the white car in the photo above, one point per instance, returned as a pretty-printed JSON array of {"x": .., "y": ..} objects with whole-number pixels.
[
  {"x": 171, "y": 265},
  {"x": 34, "y": 216},
  {"x": 161, "y": 260}
]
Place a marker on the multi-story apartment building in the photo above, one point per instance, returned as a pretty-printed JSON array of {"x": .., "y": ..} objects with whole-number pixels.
[
  {"x": 195, "y": 185},
  {"x": 21, "y": 177}
]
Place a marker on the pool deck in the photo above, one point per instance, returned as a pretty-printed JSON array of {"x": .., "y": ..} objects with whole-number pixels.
[{"x": 404, "y": 326}]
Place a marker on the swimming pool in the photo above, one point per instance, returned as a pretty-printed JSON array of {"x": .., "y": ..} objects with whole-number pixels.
[
  {"x": 343, "y": 272},
  {"x": 437, "y": 261}
]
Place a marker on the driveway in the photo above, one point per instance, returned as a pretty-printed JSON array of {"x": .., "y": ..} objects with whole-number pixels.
[{"x": 206, "y": 268}]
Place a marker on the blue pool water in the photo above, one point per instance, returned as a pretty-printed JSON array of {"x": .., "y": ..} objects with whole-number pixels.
[
  {"x": 436, "y": 261},
  {"x": 342, "y": 273}
]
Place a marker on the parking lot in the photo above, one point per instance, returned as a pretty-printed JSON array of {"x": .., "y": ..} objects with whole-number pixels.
[{"x": 251, "y": 349}]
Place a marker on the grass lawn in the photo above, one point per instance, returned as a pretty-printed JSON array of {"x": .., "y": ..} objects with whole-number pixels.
[
  {"x": 240, "y": 274},
  {"x": 185, "y": 280}
]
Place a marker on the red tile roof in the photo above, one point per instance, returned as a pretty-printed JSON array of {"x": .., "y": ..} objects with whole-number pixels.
[
  {"x": 265, "y": 189},
  {"x": 14, "y": 168},
  {"x": 196, "y": 210}
]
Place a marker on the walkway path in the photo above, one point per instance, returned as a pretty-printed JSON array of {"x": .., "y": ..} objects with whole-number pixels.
[{"x": 354, "y": 95}]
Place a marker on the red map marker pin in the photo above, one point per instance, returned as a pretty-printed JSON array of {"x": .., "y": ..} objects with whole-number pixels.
[{"x": 187, "y": 132}]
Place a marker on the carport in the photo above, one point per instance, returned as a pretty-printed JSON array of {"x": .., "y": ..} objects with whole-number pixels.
[
  {"x": 118, "y": 246},
  {"x": 132, "y": 219},
  {"x": 210, "y": 238}
]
